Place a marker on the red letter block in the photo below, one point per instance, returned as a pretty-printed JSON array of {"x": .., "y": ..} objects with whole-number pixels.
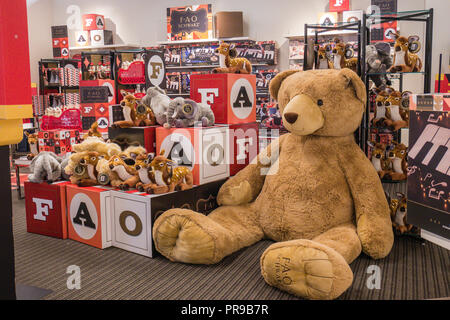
[
  {"x": 46, "y": 209},
  {"x": 232, "y": 97},
  {"x": 88, "y": 215},
  {"x": 244, "y": 145}
]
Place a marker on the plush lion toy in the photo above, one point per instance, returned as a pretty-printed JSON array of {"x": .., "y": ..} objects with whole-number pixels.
[{"x": 313, "y": 191}]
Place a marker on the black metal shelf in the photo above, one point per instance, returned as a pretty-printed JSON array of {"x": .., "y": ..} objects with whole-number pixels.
[{"x": 368, "y": 20}]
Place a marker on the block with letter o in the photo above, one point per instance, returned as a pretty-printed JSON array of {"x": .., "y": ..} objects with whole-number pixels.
[{"x": 89, "y": 215}]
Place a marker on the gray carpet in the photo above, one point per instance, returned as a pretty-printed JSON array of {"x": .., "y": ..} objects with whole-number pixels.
[{"x": 413, "y": 270}]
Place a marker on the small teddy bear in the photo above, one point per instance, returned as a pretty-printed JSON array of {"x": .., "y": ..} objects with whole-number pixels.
[{"x": 185, "y": 113}]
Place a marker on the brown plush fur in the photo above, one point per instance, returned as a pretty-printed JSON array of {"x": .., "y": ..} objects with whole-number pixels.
[{"x": 321, "y": 198}]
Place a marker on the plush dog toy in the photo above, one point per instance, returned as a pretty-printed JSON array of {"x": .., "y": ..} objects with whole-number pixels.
[
  {"x": 185, "y": 113},
  {"x": 343, "y": 56},
  {"x": 378, "y": 159},
  {"x": 405, "y": 57},
  {"x": 158, "y": 101},
  {"x": 32, "y": 139},
  {"x": 399, "y": 211},
  {"x": 323, "y": 61},
  {"x": 46, "y": 166},
  {"x": 313, "y": 191},
  {"x": 378, "y": 61}
]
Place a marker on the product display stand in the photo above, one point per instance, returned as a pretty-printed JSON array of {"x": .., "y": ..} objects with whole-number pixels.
[{"x": 368, "y": 21}]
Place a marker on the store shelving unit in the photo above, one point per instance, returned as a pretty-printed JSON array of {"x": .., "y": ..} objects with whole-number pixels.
[
  {"x": 369, "y": 20},
  {"x": 314, "y": 31},
  {"x": 106, "y": 47},
  {"x": 202, "y": 40}
]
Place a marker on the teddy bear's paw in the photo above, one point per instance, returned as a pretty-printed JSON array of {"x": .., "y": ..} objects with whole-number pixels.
[
  {"x": 306, "y": 269},
  {"x": 235, "y": 195},
  {"x": 180, "y": 235}
]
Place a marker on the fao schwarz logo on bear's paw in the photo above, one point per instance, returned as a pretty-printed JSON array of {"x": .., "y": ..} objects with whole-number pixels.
[
  {"x": 282, "y": 267},
  {"x": 242, "y": 98}
]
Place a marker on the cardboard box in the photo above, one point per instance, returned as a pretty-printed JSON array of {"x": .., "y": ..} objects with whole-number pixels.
[
  {"x": 89, "y": 215},
  {"x": 232, "y": 97},
  {"x": 101, "y": 38},
  {"x": 58, "y": 141},
  {"x": 229, "y": 24},
  {"x": 205, "y": 151},
  {"x": 133, "y": 213},
  {"x": 155, "y": 71},
  {"x": 45, "y": 206}
]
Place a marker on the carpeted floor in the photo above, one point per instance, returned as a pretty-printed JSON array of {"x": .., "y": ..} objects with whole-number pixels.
[{"x": 413, "y": 270}]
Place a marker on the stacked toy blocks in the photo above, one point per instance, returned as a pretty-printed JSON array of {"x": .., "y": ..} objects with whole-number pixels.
[{"x": 232, "y": 98}]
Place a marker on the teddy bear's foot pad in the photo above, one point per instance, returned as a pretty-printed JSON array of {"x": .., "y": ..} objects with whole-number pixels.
[{"x": 307, "y": 269}]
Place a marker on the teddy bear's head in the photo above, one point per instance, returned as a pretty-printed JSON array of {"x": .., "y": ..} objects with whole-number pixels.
[{"x": 325, "y": 102}]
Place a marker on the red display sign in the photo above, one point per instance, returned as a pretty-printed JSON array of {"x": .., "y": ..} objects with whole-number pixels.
[{"x": 339, "y": 5}]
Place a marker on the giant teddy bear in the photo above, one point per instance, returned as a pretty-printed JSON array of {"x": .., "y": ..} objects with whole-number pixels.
[{"x": 313, "y": 191}]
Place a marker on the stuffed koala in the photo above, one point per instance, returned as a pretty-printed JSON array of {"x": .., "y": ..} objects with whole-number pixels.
[
  {"x": 46, "y": 166},
  {"x": 378, "y": 60},
  {"x": 185, "y": 113},
  {"x": 313, "y": 191},
  {"x": 158, "y": 101}
]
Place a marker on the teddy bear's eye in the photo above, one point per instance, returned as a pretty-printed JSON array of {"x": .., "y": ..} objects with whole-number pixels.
[{"x": 320, "y": 102}]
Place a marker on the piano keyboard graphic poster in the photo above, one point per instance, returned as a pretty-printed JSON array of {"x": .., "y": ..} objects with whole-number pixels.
[{"x": 429, "y": 171}]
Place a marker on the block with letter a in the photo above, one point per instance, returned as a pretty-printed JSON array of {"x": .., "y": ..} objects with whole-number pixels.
[
  {"x": 205, "y": 151},
  {"x": 45, "y": 206},
  {"x": 232, "y": 97},
  {"x": 89, "y": 215}
]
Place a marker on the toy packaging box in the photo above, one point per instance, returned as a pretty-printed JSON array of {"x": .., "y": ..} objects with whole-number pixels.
[
  {"x": 45, "y": 206},
  {"x": 172, "y": 56},
  {"x": 244, "y": 145},
  {"x": 155, "y": 68},
  {"x": 58, "y": 141},
  {"x": 232, "y": 97},
  {"x": 197, "y": 55},
  {"x": 96, "y": 96},
  {"x": 173, "y": 82},
  {"x": 133, "y": 213},
  {"x": 190, "y": 22},
  {"x": 205, "y": 151}
]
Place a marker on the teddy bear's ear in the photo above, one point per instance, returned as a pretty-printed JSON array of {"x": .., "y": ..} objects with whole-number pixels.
[
  {"x": 275, "y": 83},
  {"x": 351, "y": 79}
]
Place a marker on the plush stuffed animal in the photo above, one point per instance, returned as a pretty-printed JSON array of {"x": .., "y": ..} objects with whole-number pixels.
[
  {"x": 78, "y": 172},
  {"x": 397, "y": 112},
  {"x": 159, "y": 102},
  {"x": 313, "y": 191},
  {"x": 168, "y": 178},
  {"x": 146, "y": 175},
  {"x": 378, "y": 159},
  {"x": 343, "y": 56},
  {"x": 399, "y": 213},
  {"x": 126, "y": 172},
  {"x": 229, "y": 63},
  {"x": 46, "y": 166},
  {"x": 33, "y": 143},
  {"x": 380, "y": 106},
  {"x": 323, "y": 61},
  {"x": 398, "y": 155},
  {"x": 378, "y": 61},
  {"x": 405, "y": 57},
  {"x": 185, "y": 113},
  {"x": 93, "y": 131}
]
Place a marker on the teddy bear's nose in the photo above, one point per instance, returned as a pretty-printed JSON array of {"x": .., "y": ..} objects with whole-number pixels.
[{"x": 291, "y": 117}]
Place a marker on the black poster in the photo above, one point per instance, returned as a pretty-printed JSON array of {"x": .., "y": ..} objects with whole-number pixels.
[
  {"x": 386, "y": 6},
  {"x": 155, "y": 69},
  {"x": 189, "y": 21},
  {"x": 94, "y": 94},
  {"x": 429, "y": 171},
  {"x": 59, "y": 32}
]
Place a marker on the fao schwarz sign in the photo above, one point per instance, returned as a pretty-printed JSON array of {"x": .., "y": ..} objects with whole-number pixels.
[{"x": 189, "y": 21}]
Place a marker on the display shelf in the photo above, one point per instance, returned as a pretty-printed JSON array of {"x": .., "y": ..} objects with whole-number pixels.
[
  {"x": 202, "y": 40},
  {"x": 209, "y": 66},
  {"x": 179, "y": 94},
  {"x": 392, "y": 73},
  {"x": 326, "y": 33},
  {"x": 111, "y": 46}
]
